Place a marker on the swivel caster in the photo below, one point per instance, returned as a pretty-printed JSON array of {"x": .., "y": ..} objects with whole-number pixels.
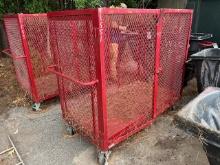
[
  {"x": 36, "y": 107},
  {"x": 103, "y": 157},
  {"x": 70, "y": 130}
]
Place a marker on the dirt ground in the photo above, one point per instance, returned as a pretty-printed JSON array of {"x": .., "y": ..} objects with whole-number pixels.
[
  {"x": 41, "y": 137},
  {"x": 11, "y": 94}
]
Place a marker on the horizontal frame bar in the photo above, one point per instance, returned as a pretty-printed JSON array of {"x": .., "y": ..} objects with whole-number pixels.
[
  {"x": 128, "y": 11},
  {"x": 72, "y": 12},
  {"x": 11, "y": 16},
  {"x": 7, "y": 52},
  {"x": 177, "y": 11},
  {"x": 131, "y": 130},
  {"x": 34, "y": 15},
  {"x": 19, "y": 57},
  {"x": 92, "y": 83}
]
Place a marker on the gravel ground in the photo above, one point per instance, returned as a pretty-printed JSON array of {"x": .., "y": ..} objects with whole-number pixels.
[{"x": 41, "y": 139}]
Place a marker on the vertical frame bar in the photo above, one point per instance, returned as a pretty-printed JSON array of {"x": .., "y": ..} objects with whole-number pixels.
[
  {"x": 28, "y": 58},
  {"x": 189, "y": 34},
  {"x": 57, "y": 65},
  {"x": 187, "y": 50},
  {"x": 101, "y": 75},
  {"x": 157, "y": 64},
  {"x": 88, "y": 31}
]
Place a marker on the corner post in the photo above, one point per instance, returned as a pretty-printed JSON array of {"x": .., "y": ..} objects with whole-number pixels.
[
  {"x": 157, "y": 63},
  {"x": 101, "y": 75},
  {"x": 28, "y": 59}
]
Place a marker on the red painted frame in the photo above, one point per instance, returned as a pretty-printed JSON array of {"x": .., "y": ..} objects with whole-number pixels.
[
  {"x": 105, "y": 142},
  {"x": 12, "y": 55},
  {"x": 28, "y": 60},
  {"x": 34, "y": 94},
  {"x": 174, "y": 11},
  {"x": 187, "y": 50},
  {"x": 157, "y": 66}
]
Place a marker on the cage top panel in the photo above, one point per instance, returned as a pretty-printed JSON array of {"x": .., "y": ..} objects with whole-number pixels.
[
  {"x": 21, "y": 14},
  {"x": 117, "y": 11}
]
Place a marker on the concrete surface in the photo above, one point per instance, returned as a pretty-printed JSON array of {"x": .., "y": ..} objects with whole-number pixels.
[{"x": 41, "y": 140}]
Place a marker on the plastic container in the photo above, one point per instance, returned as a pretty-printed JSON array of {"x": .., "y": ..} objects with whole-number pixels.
[
  {"x": 202, "y": 118},
  {"x": 200, "y": 36},
  {"x": 207, "y": 68},
  {"x": 196, "y": 39},
  {"x": 198, "y": 42}
]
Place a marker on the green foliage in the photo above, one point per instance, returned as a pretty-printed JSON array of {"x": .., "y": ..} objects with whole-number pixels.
[
  {"x": 36, "y": 6},
  {"x": 1, "y": 7},
  {"x": 129, "y": 3},
  {"x": 40, "y": 6},
  {"x": 94, "y": 3},
  {"x": 9, "y": 6},
  {"x": 81, "y": 4},
  {"x": 23, "y": 6}
]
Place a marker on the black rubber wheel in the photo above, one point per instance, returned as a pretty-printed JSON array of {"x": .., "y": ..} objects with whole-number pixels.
[
  {"x": 103, "y": 157},
  {"x": 70, "y": 130},
  {"x": 36, "y": 107}
]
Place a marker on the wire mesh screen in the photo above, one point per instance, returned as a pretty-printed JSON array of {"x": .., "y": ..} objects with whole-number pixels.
[
  {"x": 19, "y": 58},
  {"x": 129, "y": 61},
  {"x": 73, "y": 43},
  {"x": 37, "y": 36},
  {"x": 125, "y": 43},
  {"x": 175, "y": 33}
]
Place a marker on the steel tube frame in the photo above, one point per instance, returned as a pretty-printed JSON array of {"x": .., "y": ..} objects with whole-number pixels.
[
  {"x": 27, "y": 57},
  {"x": 28, "y": 60},
  {"x": 105, "y": 142},
  {"x": 157, "y": 65}
]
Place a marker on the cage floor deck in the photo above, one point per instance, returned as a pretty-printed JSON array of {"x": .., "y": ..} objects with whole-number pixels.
[
  {"x": 125, "y": 104},
  {"x": 46, "y": 85}
]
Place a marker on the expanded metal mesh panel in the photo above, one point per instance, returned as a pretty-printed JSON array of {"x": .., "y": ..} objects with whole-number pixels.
[
  {"x": 16, "y": 48},
  {"x": 175, "y": 33},
  {"x": 37, "y": 36},
  {"x": 129, "y": 61},
  {"x": 120, "y": 48},
  {"x": 73, "y": 44}
]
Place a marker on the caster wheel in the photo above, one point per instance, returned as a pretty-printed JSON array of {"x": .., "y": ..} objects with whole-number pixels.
[
  {"x": 173, "y": 108},
  {"x": 103, "y": 157},
  {"x": 70, "y": 130},
  {"x": 36, "y": 107}
]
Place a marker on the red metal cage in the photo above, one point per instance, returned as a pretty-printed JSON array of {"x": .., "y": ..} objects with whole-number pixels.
[
  {"x": 28, "y": 37},
  {"x": 109, "y": 96}
]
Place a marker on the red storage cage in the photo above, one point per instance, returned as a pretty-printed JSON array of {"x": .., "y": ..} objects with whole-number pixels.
[
  {"x": 118, "y": 69},
  {"x": 29, "y": 47}
]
